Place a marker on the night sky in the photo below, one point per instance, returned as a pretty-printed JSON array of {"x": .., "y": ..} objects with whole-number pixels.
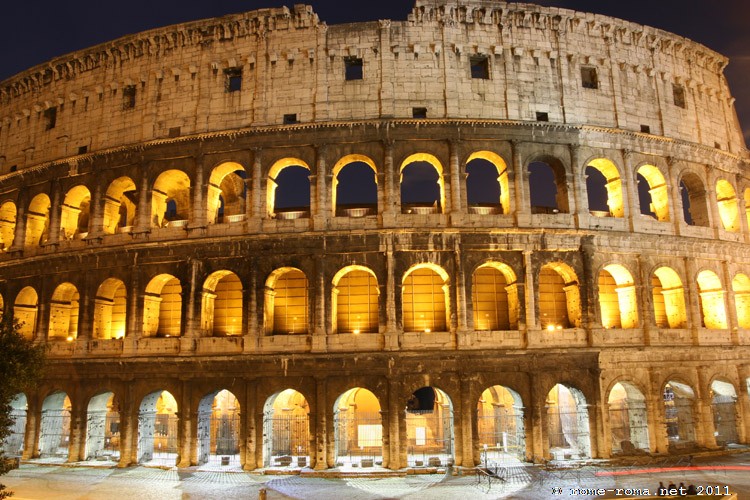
[{"x": 34, "y": 32}]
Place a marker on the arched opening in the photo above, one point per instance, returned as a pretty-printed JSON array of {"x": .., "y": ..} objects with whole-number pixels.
[
  {"x": 559, "y": 297},
  {"x": 724, "y": 410},
  {"x": 494, "y": 297},
  {"x": 103, "y": 428},
  {"x": 37, "y": 221},
  {"x": 358, "y": 429},
  {"x": 170, "y": 199},
  {"x": 355, "y": 188},
  {"x": 628, "y": 419},
  {"x": 729, "y": 210},
  {"x": 424, "y": 295},
  {"x": 157, "y": 429},
  {"x": 567, "y": 423},
  {"x": 12, "y": 445},
  {"x": 617, "y": 300},
  {"x": 694, "y": 202},
  {"x": 747, "y": 205},
  {"x": 678, "y": 408},
  {"x": 54, "y": 436},
  {"x": 741, "y": 290},
  {"x": 221, "y": 305},
  {"x": 120, "y": 203},
  {"x": 7, "y": 225},
  {"x": 25, "y": 310},
  {"x": 355, "y": 300},
  {"x": 286, "y": 430},
  {"x": 286, "y": 303},
  {"x": 487, "y": 190},
  {"x": 219, "y": 430},
  {"x": 500, "y": 426},
  {"x": 604, "y": 189},
  {"x": 669, "y": 299},
  {"x": 110, "y": 306},
  {"x": 288, "y": 189},
  {"x": 711, "y": 297},
  {"x": 63, "y": 313},
  {"x": 429, "y": 428},
  {"x": 422, "y": 185},
  {"x": 227, "y": 194},
  {"x": 74, "y": 213},
  {"x": 162, "y": 307},
  {"x": 547, "y": 187},
  {"x": 652, "y": 193}
]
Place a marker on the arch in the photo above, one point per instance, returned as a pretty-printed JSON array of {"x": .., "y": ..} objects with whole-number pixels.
[
  {"x": 494, "y": 297},
  {"x": 286, "y": 209},
  {"x": 429, "y": 428},
  {"x": 63, "y": 313},
  {"x": 120, "y": 203},
  {"x": 711, "y": 297},
  {"x": 678, "y": 406},
  {"x": 162, "y": 307},
  {"x": 724, "y": 410},
  {"x": 741, "y": 290},
  {"x": 110, "y": 308},
  {"x": 219, "y": 429},
  {"x": 610, "y": 182},
  {"x": 12, "y": 445},
  {"x": 74, "y": 213},
  {"x": 37, "y": 221},
  {"x": 425, "y": 299},
  {"x": 286, "y": 302},
  {"x": 103, "y": 428},
  {"x": 421, "y": 193},
  {"x": 729, "y": 210},
  {"x": 286, "y": 430},
  {"x": 628, "y": 419},
  {"x": 8, "y": 215},
  {"x": 487, "y": 188},
  {"x": 500, "y": 426},
  {"x": 354, "y": 192},
  {"x": 559, "y": 297},
  {"x": 652, "y": 192},
  {"x": 170, "y": 199},
  {"x": 694, "y": 200},
  {"x": 54, "y": 437},
  {"x": 358, "y": 429},
  {"x": 617, "y": 299},
  {"x": 221, "y": 305},
  {"x": 227, "y": 193},
  {"x": 25, "y": 310},
  {"x": 548, "y": 190},
  {"x": 157, "y": 429},
  {"x": 567, "y": 423},
  {"x": 747, "y": 205},
  {"x": 355, "y": 300},
  {"x": 668, "y": 298}
]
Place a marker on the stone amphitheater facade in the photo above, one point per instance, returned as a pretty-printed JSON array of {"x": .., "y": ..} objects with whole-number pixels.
[{"x": 144, "y": 243}]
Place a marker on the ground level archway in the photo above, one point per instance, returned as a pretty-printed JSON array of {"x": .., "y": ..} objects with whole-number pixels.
[
  {"x": 724, "y": 410},
  {"x": 157, "y": 429},
  {"x": 678, "y": 414},
  {"x": 103, "y": 428},
  {"x": 54, "y": 437},
  {"x": 286, "y": 430},
  {"x": 219, "y": 430},
  {"x": 500, "y": 426},
  {"x": 429, "y": 428},
  {"x": 628, "y": 419},
  {"x": 358, "y": 429},
  {"x": 568, "y": 433}
]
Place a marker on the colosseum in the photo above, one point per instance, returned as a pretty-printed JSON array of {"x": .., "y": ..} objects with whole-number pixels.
[{"x": 490, "y": 232}]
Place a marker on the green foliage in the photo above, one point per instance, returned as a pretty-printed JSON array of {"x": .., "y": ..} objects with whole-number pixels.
[{"x": 21, "y": 367}]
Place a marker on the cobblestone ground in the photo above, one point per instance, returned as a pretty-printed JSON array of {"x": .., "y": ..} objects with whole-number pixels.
[{"x": 42, "y": 482}]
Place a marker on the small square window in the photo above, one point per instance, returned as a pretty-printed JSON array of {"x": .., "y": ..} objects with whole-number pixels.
[
  {"x": 174, "y": 132},
  {"x": 353, "y": 68},
  {"x": 419, "y": 112},
  {"x": 290, "y": 119},
  {"x": 82, "y": 150},
  {"x": 679, "y": 95},
  {"x": 13, "y": 168},
  {"x": 645, "y": 129},
  {"x": 50, "y": 118},
  {"x": 542, "y": 117},
  {"x": 480, "y": 67},
  {"x": 128, "y": 97},
  {"x": 589, "y": 78},
  {"x": 233, "y": 79}
]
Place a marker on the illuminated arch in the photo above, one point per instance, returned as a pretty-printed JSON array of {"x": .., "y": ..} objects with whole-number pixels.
[
  {"x": 694, "y": 200},
  {"x": 435, "y": 163},
  {"x": 37, "y": 221},
  {"x": 63, "y": 313},
  {"x": 711, "y": 295},
  {"x": 568, "y": 432},
  {"x": 219, "y": 429},
  {"x": 120, "y": 204},
  {"x": 617, "y": 299},
  {"x": 272, "y": 183},
  {"x": 425, "y": 298},
  {"x": 358, "y": 428},
  {"x": 54, "y": 435},
  {"x": 110, "y": 309},
  {"x": 158, "y": 423},
  {"x": 7, "y": 224},
  {"x": 613, "y": 185},
  {"x": 74, "y": 213},
  {"x": 286, "y": 302},
  {"x": 494, "y": 297},
  {"x": 724, "y": 411},
  {"x": 355, "y": 300},
  {"x": 221, "y": 304},
  {"x": 500, "y": 425},
  {"x": 628, "y": 418},
  {"x": 227, "y": 194},
  {"x": 547, "y": 173},
  {"x": 341, "y": 165},
  {"x": 286, "y": 430},
  {"x": 162, "y": 307},
  {"x": 741, "y": 290},
  {"x": 502, "y": 177},
  {"x": 729, "y": 213},
  {"x": 669, "y": 299},
  {"x": 657, "y": 189},
  {"x": 25, "y": 310},
  {"x": 103, "y": 428},
  {"x": 559, "y": 297},
  {"x": 170, "y": 198}
]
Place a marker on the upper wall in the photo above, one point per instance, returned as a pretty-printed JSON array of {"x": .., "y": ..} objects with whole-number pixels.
[{"x": 174, "y": 80}]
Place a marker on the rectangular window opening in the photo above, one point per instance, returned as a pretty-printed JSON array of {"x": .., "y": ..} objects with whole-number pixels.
[
  {"x": 353, "y": 68},
  {"x": 679, "y": 96},
  {"x": 233, "y": 79},
  {"x": 480, "y": 67},
  {"x": 645, "y": 129},
  {"x": 128, "y": 96},
  {"x": 589, "y": 78},
  {"x": 50, "y": 118},
  {"x": 82, "y": 150},
  {"x": 542, "y": 117},
  {"x": 174, "y": 132},
  {"x": 419, "y": 112},
  {"x": 290, "y": 119}
]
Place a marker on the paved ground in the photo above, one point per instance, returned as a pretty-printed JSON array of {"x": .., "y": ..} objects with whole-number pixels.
[{"x": 41, "y": 482}]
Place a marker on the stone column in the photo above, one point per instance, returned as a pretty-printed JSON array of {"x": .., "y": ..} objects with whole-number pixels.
[
  {"x": 692, "y": 303},
  {"x": 456, "y": 210},
  {"x": 532, "y": 321},
  {"x": 250, "y": 298},
  {"x": 536, "y": 447},
  {"x": 200, "y": 208},
  {"x": 53, "y": 219},
  {"x": 96, "y": 208},
  {"x": 143, "y": 215},
  {"x": 319, "y": 340},
  {"x": 85, "y": 317},
  {"x": 76, "y": 444},
  {"x": 191, "y": 326},
  {"x": 320, "y": 430},
  {"x": 705, "y": 431},
  {"x": 577, "y": 199},
  {"x": 657, "y": 428},
  {"x": 730, "y": 304},
  {"x": 392, "y": 207},
  {"x": 319, "y": 202},
  {"x": 521, "y": 178},
  {"x": 185, "y": 436},
  {"x": 134, "y": 312},
  {"x": 33, "y": 420},
  {"x": 392, "y": 335},
  {"x": 248, "y": 433},
  {"x": 461, "y": 306},
  {"x": 396, "y": 451},
  {"x": 600, "y": 446},
  {"x": 468, "y": 415},
  {"x": 645, "y": 304},
  {"x": 630, "y": 185},
  {"x": 743, "y": 405},
  {"x": 128, "y": 430},
  {"x": 589, "y": 299}
]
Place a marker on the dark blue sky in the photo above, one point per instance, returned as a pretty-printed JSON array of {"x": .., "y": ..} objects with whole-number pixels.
[{"x": 36, "y": 31}]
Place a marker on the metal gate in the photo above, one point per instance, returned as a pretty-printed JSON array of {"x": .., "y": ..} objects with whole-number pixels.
[
  {"x": 286, "y": 438},
  {"x": 225, "y": 440},
  {"x": 628, "y": 423},
  {"x": 359, "y": 438},
  {"x": 157, "y": 438},
  {"x": 501, "y": 437},
  {"x": 55, "y": 433},
  {"x": 429, "y": 436},
  {"x": 725, "y": 419},
  {"x": 103, "y": 435},
  {"x": 568, "y": 433},
  {"x": 13, "y": 443}
]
